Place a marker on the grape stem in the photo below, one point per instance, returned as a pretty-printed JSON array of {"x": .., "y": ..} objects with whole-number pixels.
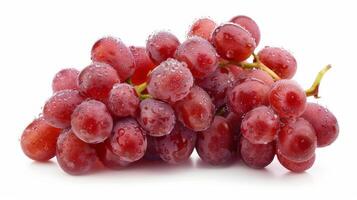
[
  {"x": 256, "y": 64},
  {"x": 314, "y": 89}
]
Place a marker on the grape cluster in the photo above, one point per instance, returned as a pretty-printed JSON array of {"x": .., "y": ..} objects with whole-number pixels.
[{"x": 162, "y": 101}]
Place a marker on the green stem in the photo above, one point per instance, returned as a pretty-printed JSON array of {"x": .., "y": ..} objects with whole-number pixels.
[
  {"x": 140, "y": 88},
  {"x": 145, "y": 96},
  {"x": 314, "y": 89}
]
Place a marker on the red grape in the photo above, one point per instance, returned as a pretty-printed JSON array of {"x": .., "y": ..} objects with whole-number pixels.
[
  {"x": 297, "y": 140},
  {"x": 216, "y": 144},
  {"x": 287, "y": 99},
  {"x": 233, "y": 42},
  {"x": 59, "y": 108},
  {"x": 247, "y": 95},
  {"x": 257, "y": 155},
  {"x": 156, "y": 117},
  {"x": 295, "y": 166},
  {"x": 143, "y": 65},
  {"x": 38, "y": 141},
  {"x": 108, "y": 158},
  {"x": 248, "y": 24},
  {"x": 66, "y": 79},
  {"x": 324, "y": 122},
  {"x": 177, "y": 146},
  {"x": 235, "y": 70},
  {"x": 151, "y": 150},
  {"x": 234, "y": 121},
  {"x": 161, "y": 46},
  {"x": 91, "y": 122},
  {"x": 260, "y": 125},
  {"x": 73, "y": 155},
  {"x": 128, "y": 140},
  {"x": 123, "y": 100},
  {"x": 203, "y": 28},
  {"x": 114, "y": 52},
  {"x": 170, "y": 81},
  {"x": 217, "y": 84},
  {"x": 96, "y": 81},
  {"x": 196, "y": 110},
  {"x": 279, "y": 60},
  {"x": 252, "y": 74},
  {"x": 199, "y": 55}
]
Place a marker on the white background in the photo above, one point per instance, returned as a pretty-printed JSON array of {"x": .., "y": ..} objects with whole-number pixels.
[{"x": 37, "y": 38}]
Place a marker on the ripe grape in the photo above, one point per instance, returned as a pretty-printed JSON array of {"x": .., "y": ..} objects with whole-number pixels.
[
  {"x": 59, "y": 108},
  {"x": 66, "y": 79},
  {"x": 199, "y": 55},
  {"x": 91, "y": 122},
  {"x": 143, "y": 65},
  {"x": 247, "y": 95},
  {"x": 297, "y": 140},
  {"x": 156, "y": 117},
  {"x": 260, "y": 125},
  {"x": 38, "y": 141},
  {"x": 234, "y": 121},
  {"x": 170, "y": 81},
  {"x": 248, "y": 24},
  {"x": 177, "y": 146},
  {"x": 279, "y": 60},
  {"x": 114, "y": 52},
  {"x": 203, "y": 28},
  {"x": 252, "y": 74},
  {"x": 196, "y": 110},
  {"x": 257, "y": 155},
  {"x": 108, "y": 158},
  {"x": 161, "y": 46},
  {"x": 151, "y": 153},
  {"x": 73, "y": 155},
  {"x": 123, "y": 100},
  {"x": 217, "y": 85},
  {"x": 128, "y": 140},
  {"x": 235, "y": 70},
  {"x": 233, "y": 42},
  {"x": 295, "y": 166},
  {"x": 324, "y": 122},
  {"x": 287, "y": 99},
  {"x": 216, "y": 145},
  {"x": 96, "y": 81}
]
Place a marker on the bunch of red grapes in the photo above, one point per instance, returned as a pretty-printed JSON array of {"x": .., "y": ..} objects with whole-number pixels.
[{"x": 162, "y": 101}]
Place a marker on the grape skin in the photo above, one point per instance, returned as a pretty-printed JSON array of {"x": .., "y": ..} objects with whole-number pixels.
[
  {"x": 233, "y": 42},
  {"x": 123, "y": 100},
  {"x": 96, "y": 81},
  {"x": 161, "y": 46},
  {"x": 177, "y": 146},
  {"x": 260, "y": 125},
  {"x": 65, "y": 79},
  {"x": 114, "y": 52},
  {"x": 108, "y": 158},
  {"x": 297, "y": 140},
  {"x": 170, "y": 81},
  {"x": 217, "y": 85},
  {"x": 152, "y": 153},
  {"x": 247, "y": 95},
  {"x": 38, "y": 141},
  {"x": 216, "y": 144},
  {"x": 143, "y": 63},
  {"x": 287, "y": 99},
  {"x": 324, "y": 122},
  {"x": 199, "y": 55},
  {"x": 91, "y": 122},
  {"x": 59, "y": 108},
  {"x": 196, "y": 110},
  {"x": 255, "y": 74},
  {"x": 73, "y": 155},
  {"x": 293, "y": 166},
  {"x": 156, "y": 117},
  {"x": 279, "y": 60},
  {"x": 203, "y": 28},
  {"x": 128, "y": 140},
  {"x": 256, "y": 156},
  {"x": 248, "y": 24}
]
